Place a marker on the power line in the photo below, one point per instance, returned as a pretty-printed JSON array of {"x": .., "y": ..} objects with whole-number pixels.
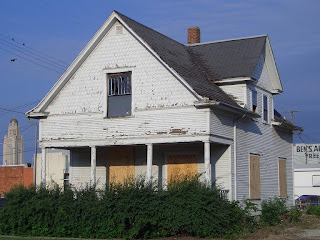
[
  {"x": 36, "y": 58},
  {"x": 22, "y": 50},
  {"x": 22, "y": 129},
  {"x": 10, "y": 110},
  {"x": 29, "y": 150},
  {"x": 31, "y": 60},
  {"x": 20, "y": 106},
  {"x": 312, "y": 139},
  {"x": 44, "y": 54}
]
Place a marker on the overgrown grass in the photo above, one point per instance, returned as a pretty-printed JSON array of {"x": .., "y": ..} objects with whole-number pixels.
[
  {"x": 131, "y": 210},
  {"x": 313, "y": 210},
  {"x": 271, "y": 211}
]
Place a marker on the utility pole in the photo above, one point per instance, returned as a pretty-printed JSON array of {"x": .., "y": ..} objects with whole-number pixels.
[
  {"x": 35, "y": 152},
  {"x": 291, "y": 113}
]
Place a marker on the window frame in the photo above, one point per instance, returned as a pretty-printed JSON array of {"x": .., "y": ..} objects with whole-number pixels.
[
  {"x": 256, "y": 101},
  {"x": 313, "y": 184},
  {"x": 265, "y": 111},
  {"x": 110, "y": 71}
]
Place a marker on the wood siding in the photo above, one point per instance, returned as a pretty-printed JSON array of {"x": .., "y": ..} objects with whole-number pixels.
[
  {"x": 157, "y": 123},
  {"x": 237, "y": 92},
  {"x": 270, "y": 143},
  {"x": 261, "y": 73},
  {"x": 153, "y": 86}
]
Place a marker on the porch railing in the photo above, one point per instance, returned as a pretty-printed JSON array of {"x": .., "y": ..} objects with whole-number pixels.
[{"x": 224, "y": 193}]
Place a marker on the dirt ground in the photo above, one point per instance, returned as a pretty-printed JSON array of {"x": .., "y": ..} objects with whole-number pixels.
[{"x": 307, "y": 229}]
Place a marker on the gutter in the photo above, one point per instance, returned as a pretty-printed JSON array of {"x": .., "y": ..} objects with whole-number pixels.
[
  {"x": 38, "y": 115},
  {"x": 226, "y": 107}
]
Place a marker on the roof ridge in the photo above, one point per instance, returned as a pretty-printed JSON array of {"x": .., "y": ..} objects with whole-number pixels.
[
  {"x": 122, "y": 15},
  {"x": 226, "y": 40}
]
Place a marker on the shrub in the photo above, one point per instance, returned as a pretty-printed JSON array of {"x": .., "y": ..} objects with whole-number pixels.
[
  {"x": 250, "y": 209},
  {"x": 313, "y": 210},
  {"x": 130, "y": 210},
  {"x": 295, "y": 214},
  {"x": 271, "y": 211}
]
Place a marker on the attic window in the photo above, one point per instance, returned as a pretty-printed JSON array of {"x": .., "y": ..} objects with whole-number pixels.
[
  {"x": 119, "y": 30},
  {"x": 119, "y": 84},
  {"x": 254, "y": 101},
  {"x": 119, "y": 95}
]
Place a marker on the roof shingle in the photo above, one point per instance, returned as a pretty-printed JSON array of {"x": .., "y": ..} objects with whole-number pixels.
[{"x": 198, "y": 65}]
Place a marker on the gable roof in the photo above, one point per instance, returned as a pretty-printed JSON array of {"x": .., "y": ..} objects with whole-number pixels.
[
  {"x": 180, "y": 59},
  {"x": 229, "y": 59},
  {"x": 197, "y": 65}
]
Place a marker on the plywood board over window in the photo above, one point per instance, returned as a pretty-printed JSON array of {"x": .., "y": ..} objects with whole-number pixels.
[
  {"x": 282, "y": 163},
  {"x": 255, "y": 185},
  {"x": 180, "y": 166},
  {"x": 120, "y": 164}
]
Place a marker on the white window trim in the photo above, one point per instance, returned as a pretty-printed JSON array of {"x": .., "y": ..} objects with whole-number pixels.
[{"x": 107, "y": 71}]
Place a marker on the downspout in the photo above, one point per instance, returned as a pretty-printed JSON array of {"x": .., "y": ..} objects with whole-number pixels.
[{"x": 235, "y": 153}]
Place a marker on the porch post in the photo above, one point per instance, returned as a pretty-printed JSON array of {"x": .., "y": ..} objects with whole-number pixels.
[
  {"x": 207, "y": 162},
  {"x": 149, "y": 161},
  {"x": 93, "y": 166},
  {"x": 43, "y": 165}
]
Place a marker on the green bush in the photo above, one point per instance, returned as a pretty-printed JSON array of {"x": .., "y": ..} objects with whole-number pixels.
[
  {"x": 271, "y": 211},
  {"x": 313, "y": 210},
  {"x": 130, "y": 210},
  {"x": 295, "y": 214}
]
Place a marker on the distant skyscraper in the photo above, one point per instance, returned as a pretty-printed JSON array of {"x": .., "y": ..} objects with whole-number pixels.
[{"x": 13, "y": 145}]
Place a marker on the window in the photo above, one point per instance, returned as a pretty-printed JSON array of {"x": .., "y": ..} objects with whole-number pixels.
[
  {"x": 119, "y": 95},
  {"x": 254, "y": 169},
  {"x": 265, "y": 109},
  {"x": 316, "y": 180},
  {"x": 254, "y": 101},
  {"x": 282, "y": 166}
]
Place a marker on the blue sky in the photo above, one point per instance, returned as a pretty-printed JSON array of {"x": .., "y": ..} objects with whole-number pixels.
[{"x": 60, "y": 29}]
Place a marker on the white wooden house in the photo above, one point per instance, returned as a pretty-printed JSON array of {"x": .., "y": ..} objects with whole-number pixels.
[{"x": 135, "y": 102}]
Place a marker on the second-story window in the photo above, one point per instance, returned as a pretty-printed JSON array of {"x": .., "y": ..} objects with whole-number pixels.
[
  {"x": 254, "y": 101},
  {"x": 265, "y": 109},
  {"x": 119, "y": 95}
]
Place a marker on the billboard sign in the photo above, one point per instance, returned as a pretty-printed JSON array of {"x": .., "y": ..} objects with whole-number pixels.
[{"x": 306, "y": 153}]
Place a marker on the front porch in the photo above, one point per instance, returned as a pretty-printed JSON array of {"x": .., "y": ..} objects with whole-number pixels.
[{"x": 101, "y": 165}]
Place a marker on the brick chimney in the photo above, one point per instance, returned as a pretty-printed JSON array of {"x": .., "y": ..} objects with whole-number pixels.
[{"x": 193, "y": 35}]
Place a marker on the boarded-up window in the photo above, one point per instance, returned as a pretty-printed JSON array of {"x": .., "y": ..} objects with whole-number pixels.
[
  {"x": 120, "y": 164},
  {"x": 283, "y": 177},
  {"x": 254, "y": 176},
  {"x": 180, "y": 166}
]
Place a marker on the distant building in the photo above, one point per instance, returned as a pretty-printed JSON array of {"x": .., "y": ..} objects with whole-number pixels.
[
  {"x": 306, "y": 164},
  {"x": 13, "y": 145},
  {"x": 57, "y": 167},
  {"x": 11, "y": 176}
]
